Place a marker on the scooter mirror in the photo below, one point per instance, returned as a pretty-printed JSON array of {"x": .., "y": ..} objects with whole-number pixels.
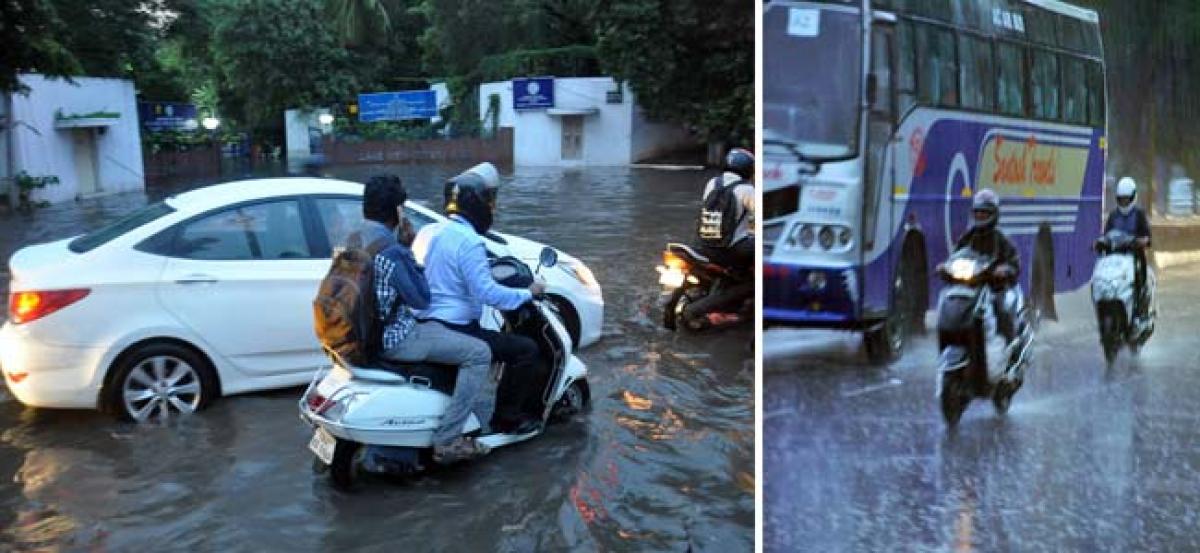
[{"x": 548, "y": 257}]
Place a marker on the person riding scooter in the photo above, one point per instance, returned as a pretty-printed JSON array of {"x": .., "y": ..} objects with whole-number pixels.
[
  {"x": 984, "y": 237},
  {"x": 461, "y": 283},
  {"x": 399, "y": 288},
  {"x": 726, "y": 230},
  {"x": 1129, "y": 218}
]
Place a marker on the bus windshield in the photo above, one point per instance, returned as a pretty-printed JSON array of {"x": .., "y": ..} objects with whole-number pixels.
[{"x": 814, "y": 59}]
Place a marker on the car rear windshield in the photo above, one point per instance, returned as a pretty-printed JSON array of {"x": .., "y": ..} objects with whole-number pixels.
[{"x": 98, "y": 237}]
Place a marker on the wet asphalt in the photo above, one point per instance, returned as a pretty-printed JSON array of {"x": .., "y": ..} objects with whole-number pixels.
[
  {"x": 664, "y": 460},
  {"x": 1089, "y": 457}
]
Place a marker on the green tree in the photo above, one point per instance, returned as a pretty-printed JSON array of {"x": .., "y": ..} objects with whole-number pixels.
[
  {"x": 274, "y": 55},
  {"x": 360, "y": 22},
  {"x": 688, "y": 61},
  {"x": 30, "y": 31}
]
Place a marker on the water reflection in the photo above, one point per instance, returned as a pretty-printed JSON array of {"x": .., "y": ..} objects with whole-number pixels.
[{"x": 663, "y": 461}]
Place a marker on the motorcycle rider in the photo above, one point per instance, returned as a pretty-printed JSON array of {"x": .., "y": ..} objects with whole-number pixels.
[
  {"x": 400, "y": 287},
  {"x": 460, "y": 282},
  {"x": 726, "y": 230},
  {"x": 1130, "y": 218},
  {"x": 985, "y": 238}
]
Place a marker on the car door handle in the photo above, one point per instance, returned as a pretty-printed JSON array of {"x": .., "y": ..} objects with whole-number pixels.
[{"x": 196, "y": 279}]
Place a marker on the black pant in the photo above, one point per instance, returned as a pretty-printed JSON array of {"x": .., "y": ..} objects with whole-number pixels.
[
  {"x": 518, "y": 394},
  {"x": 739, "y": 258},
  {"x": 1139, "y": 282}
]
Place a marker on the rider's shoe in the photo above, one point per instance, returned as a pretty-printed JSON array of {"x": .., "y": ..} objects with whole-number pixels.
[{"x": 462, "y": 448}]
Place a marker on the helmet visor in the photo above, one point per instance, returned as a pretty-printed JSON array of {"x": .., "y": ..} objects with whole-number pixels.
[
  {"x": 981, "y": 215},
  {"x": 1124, "y": 201}
]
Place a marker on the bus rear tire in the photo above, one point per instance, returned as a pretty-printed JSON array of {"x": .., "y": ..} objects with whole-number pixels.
[{"x": 1042, "y": 277}]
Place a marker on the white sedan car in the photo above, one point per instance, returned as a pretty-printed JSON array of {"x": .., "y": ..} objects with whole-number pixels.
[{"x": 204, "y": 294}]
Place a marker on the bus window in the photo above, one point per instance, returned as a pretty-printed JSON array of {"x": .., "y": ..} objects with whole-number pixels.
[
  {"x": 933, "y": 9},
  {"x": 906, "y": 79},
  {"x": 1070, "y": 30},
  {"x": 1075, "y": 91},
  {"x": 975, "y": 55},
  {"x": 1091, "y": 39},
  {"x": 1044, "y": 91},
  {"x": 1010, "y": 79},
  {"x": 938, "y": 78},
  {"x": 1095, "y": 91},
  {"x": 1040, "y": 25}
]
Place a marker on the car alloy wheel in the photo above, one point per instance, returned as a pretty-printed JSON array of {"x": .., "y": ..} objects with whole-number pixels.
[{"x": 159, "y": 388}]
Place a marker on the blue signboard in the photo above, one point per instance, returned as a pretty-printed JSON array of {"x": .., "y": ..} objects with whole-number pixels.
[
  {"x": 535, "y": 93},
  {"x": 161, "y": 116},
  {"x": 397, "y": 106}
]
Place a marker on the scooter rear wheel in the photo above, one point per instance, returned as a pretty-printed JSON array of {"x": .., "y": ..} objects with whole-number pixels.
[
  {"x": 1002, "y": 397},
  {"x": 344, "y": 470}
]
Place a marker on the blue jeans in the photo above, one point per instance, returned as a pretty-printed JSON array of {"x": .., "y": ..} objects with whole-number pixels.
[{"x": 432, "y": 342}]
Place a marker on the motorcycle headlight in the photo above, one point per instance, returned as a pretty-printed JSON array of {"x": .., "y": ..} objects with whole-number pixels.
[{"x": 581, "y": 273}]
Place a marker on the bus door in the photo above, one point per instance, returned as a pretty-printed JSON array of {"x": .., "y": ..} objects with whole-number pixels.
[{"x": 879, "y": 179}]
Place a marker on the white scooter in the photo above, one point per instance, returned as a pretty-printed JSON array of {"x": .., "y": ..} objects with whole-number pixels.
[
  {"x": 1112, "y": 295},
  {"x": 381, "y": 419}
]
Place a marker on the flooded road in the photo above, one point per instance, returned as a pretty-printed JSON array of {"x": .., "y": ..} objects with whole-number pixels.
[
  {"x": 1088, "y": 458},
  {"x": 662, "y": 462}
]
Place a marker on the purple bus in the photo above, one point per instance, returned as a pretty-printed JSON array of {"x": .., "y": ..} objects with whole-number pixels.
[{"x": 881, "y": 120}]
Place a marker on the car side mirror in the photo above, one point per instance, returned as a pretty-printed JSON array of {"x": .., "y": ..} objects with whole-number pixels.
[{"x": 548, "y": 257}]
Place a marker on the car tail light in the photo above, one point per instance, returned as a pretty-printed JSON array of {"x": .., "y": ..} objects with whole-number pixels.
[{"x": 32, "y": 305}]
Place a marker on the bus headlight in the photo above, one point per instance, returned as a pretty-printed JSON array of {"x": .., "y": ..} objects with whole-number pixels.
[
  {"x": 844, "y": 236},
  {"x": 825, "y": 237},
  {"x": 807, "y": 236}
]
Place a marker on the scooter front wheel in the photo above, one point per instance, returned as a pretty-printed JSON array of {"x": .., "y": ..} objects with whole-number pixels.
[{"x": 955, "y": 397}]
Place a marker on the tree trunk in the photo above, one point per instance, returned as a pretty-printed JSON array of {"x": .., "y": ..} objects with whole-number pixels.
[
  {"x": 716, "y": 153},
  {"x": 10, "y": 130}
]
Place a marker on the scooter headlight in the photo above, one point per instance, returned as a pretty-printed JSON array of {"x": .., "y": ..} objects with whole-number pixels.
[{"x": 962, "y": 269}]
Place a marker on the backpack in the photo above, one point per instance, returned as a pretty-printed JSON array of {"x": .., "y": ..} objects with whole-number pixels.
[
  {"x": 719, "y": 217},
  {"x": 345, "y": 311}
]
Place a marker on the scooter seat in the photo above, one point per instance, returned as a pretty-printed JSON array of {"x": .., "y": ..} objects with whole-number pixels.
[
  {"x": 687, "y": 252},
  {"x": 435, "y": 376}
]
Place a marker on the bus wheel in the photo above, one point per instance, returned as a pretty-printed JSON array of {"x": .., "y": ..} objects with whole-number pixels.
[
  {"x": 886, "y": 341},
  {"x": 1042, "y": 278}
]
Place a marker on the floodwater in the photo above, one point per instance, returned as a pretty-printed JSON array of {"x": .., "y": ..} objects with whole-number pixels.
[
  {"x": 1088, "y": 458},
  {"x": 663, "y": 461}
]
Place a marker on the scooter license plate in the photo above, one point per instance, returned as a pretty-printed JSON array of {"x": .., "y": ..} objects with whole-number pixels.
[{"x": 322, "y": 444}]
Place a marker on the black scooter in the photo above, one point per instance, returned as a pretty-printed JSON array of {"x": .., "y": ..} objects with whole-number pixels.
[
  {"x": 693, "y": 283},
  {"x": 966, "y": 326}
]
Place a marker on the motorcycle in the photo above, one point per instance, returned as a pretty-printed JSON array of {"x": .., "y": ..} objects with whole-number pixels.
[
  {"x": 975, "y": 361},
  {"x": 691, "y": 280},
  {"x": 381, "y": 419},
  {"x": 1112, "y": 295}
]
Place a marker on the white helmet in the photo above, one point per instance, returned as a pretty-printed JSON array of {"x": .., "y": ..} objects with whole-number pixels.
[
  {"x": 487, "y": 172},
  {"x": 1126, "y": 188}
]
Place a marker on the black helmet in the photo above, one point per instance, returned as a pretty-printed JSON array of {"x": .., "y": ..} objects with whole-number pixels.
[
  {"x": 985, "y": 208},
  {"x": 740, "y": 161},
  {"x": 472, "y": 194}
]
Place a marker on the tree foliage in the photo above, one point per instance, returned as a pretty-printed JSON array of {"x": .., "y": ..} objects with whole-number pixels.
[
  {"x": 30, "y": 32},
  {"x": 278, "y": 54},
  {"x": 688, "y": 61}
]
